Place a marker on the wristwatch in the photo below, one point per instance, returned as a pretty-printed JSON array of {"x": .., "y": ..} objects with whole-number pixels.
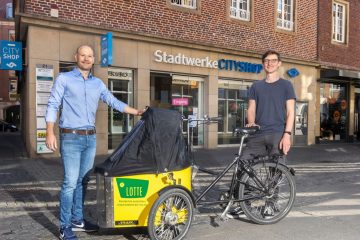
[{"x": 288, "y": 132}]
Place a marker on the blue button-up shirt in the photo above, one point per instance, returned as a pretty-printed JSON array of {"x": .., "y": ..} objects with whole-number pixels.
[{"x": 79, "y": 99}]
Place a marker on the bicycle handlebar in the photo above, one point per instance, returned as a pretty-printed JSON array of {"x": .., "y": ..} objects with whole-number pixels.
[{"x": 206, "y": 119}]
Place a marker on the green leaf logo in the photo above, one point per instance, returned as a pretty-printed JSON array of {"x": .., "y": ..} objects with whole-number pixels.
[{"x": 132, "y": 188}]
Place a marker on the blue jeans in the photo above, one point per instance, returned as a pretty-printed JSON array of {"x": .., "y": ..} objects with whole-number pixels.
[{"x": 77, "y": 154}]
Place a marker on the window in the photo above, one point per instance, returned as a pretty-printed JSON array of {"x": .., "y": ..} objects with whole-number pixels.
[
  {"x": 120, "y": 84},
  {"x": 240, "y": 9},
  {"x": 339, "y": 22},
  {"x": 285, "y": 14},
  {"x": 185, "y": 3}
]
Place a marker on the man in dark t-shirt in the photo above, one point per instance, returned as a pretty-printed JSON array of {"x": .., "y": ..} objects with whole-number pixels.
[{"x": 272, "y": 107}]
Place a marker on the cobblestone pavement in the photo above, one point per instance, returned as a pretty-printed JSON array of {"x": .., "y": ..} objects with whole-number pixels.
[{"x": 29, "y": 188}]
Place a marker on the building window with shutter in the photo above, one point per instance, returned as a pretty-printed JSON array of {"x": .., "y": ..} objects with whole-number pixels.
[
  {"x": 184, "y": 3},
  {"x": 339, "y": 22},
  {"x": 285, "y": 15},
  {"x": 240, "y": 9}
]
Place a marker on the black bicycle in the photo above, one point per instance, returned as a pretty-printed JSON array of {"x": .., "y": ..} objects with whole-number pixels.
[{"x": 263, "y": 187}]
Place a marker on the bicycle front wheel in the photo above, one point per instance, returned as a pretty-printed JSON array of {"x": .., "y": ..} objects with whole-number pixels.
[
  {"x": 170, "y": 216},
  {"x": 271, "y": 206}
]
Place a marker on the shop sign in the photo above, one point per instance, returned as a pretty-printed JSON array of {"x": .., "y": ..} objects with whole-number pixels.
[
  {"x": 106, "y": 49},
  {"x": 121, "y": 74},
  {"x": 10, "y": 55},
  {"x": 206, "y": 62},
  {"x": 181, "y": 59},
  {"x": 239, "y": 66},
  {"x": 180, "y": 101}
]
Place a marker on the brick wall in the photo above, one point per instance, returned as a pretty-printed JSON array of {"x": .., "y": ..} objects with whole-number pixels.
[
  {"x": 210, "y": 26},
  {"x": 339, "y": 55}
]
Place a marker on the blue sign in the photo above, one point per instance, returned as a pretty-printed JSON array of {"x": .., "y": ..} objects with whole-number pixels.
[
  {"x": 11, "y": 55},
  {"x": 106, "y": 50},
  {"x": 293, "y": 72},
  {"x": 239, "y": 66}
]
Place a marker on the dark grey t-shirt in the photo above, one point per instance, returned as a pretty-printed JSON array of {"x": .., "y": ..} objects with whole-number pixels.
[{"x": 270, "y": 101}]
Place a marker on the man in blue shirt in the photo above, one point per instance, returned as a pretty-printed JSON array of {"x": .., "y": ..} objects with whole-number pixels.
[{"x": 78, "y": 92}]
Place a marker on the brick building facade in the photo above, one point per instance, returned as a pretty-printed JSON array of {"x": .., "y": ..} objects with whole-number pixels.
[
  {"x": 8, "y": 79},
  {"x": 148, "y": 37},
  {"x": 339, "y": 70}
]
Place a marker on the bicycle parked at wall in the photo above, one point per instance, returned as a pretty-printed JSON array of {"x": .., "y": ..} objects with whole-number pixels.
[{"x": 147, "y": 181}]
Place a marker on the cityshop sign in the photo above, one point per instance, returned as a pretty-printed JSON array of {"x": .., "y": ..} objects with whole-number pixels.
[
  {"x": 10, "y": 55},
  {"x": 206, "y": 62}
]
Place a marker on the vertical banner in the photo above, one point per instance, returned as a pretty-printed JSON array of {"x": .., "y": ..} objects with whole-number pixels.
[
  {"x": 106, "y": 50},
  {"x": 10, "y": 55},
  {"x": 44, "y": 83}
]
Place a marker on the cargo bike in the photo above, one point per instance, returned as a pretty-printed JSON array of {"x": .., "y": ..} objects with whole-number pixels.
[{"x": 147, "y": 181}]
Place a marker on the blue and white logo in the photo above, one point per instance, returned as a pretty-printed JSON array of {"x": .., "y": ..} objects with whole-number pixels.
[
  {"x": 11, "y": 55},
  {"x": 293, "y": 72}
]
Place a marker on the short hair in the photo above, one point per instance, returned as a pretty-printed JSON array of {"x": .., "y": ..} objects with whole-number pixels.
[
  {"x": 84, "y": 45},
  {"x": 270, "y": 52}
]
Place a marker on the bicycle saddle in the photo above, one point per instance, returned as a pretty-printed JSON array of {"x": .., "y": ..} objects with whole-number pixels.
[{"x": 247, "y": 130}]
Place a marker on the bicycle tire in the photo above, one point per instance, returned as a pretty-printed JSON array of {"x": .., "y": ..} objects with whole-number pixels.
[
  {"x": 271, "y": 208},
  {"x": 170, "y": 216}
]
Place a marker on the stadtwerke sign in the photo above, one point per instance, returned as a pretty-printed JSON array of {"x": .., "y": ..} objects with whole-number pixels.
[{"x": 206, "y": 62}]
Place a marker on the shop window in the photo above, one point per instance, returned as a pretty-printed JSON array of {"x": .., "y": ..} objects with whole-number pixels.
[
  {"x": 120, "y": 84},
  {"x": 181, "y": 93},
  {"x": 333, "y": 111},
  {"x": 184, "y": 3},
  {"x": 232, "y": 106},
  {"x": 339, "y": 22},
  {"x": 285, "y": 14},
  {"x": 66, "y": 66},
  {"x": 240, "y": 9}
]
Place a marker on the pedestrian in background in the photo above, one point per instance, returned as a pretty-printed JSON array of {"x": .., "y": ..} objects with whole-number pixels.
[{"x": 78, "y": 93}]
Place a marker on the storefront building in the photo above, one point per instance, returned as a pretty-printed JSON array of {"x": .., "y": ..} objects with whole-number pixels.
[
  {"x": 189, "y": 78},
  {"x": 203, "y": 64}
]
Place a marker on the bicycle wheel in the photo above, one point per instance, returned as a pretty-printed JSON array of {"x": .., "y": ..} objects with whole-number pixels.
[
  {"x": 170, "y": 216},
  {"x": 267, "y": 208}
]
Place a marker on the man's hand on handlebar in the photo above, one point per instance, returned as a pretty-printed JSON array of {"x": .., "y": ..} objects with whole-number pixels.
[{"x": 252, "y": 125}]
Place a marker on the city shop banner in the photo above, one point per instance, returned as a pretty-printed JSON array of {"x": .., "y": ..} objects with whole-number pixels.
[
  {"x": 10, "y": 55},
  {"x": 206, "y": 62}
]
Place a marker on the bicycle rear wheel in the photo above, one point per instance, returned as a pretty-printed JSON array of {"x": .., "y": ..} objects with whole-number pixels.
[{"x": 271, "y": 207}]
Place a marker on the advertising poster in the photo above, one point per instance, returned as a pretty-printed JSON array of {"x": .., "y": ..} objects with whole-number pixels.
[{"x": 44, "y": 83}]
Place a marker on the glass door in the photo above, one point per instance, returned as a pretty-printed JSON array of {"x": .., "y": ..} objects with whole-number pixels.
[
  {"x": 181, "y": 93},
  {"x": 232, "y": 106},
  {"x": 333, "y": 111}
]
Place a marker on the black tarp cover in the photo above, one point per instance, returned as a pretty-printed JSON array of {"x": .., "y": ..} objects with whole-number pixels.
[{"x": 155, "y": 145}]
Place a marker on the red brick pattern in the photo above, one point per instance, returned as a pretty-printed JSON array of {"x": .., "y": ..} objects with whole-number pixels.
[
  {"x": 211, "y": 26},
  {"x": 339, "y": 55}
]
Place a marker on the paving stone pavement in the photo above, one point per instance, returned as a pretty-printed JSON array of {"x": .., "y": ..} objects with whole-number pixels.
[{"x": 29, "y": 188}]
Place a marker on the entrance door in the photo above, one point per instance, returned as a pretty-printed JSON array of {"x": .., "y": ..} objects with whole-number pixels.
[
  {"x": 333, "y": 111},
  {"x": 232, "y": 106},
  {"x": 181, "y": 93}
]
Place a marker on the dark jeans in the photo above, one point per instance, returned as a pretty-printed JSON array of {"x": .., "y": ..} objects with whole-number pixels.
[{"x": 262, "y": 145}]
